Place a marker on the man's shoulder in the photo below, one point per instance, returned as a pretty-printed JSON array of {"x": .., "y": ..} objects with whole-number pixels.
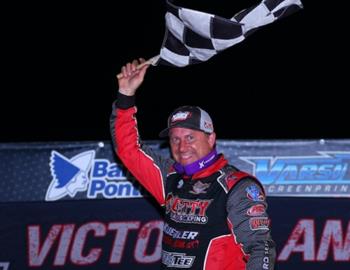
[{"x": 232, "y": 175}]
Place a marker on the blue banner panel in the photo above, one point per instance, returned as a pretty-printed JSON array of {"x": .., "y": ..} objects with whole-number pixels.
[
  {"x": 298, "y": 168},
  {"x": 90, "y": 170}
]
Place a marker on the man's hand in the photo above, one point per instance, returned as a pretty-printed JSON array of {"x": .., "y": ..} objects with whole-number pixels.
[{"x": 132, "y": 77}]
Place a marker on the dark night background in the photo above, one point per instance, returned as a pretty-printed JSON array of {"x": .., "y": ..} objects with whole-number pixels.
[{"x": 286, "y": 81}]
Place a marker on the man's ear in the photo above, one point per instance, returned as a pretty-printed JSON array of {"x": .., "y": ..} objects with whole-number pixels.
[{"x": 212, "y": 139}]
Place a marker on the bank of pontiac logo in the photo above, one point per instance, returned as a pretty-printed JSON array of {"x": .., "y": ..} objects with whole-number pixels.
[{"x": 69, "y": 175}]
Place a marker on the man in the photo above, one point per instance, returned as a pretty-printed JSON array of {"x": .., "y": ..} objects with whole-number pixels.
[{"x": 215, "y": 215}]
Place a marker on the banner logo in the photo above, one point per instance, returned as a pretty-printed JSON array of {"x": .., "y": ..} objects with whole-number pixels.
[
  {"x": 69, "y": 175},
  {"x": 99, "y": 178},
  {"x": 324, "y": 174}
]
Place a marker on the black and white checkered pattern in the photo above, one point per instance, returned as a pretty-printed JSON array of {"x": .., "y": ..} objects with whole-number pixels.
[{"x": 193, "y": 36}]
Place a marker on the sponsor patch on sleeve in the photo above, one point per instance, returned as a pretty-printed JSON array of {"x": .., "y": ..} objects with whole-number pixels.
[
  {"x": 256, "y": 210},
  {"x": 254, "y": 193},
  {"x": 259, "y": 223}
]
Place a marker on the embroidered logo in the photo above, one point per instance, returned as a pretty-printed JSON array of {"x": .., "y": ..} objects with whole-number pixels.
[
  {"x": 254, "y": 193},
  {"x": 180, "y": 116},
  {"x": 256, "y": 210},
  {"x": 199, "y": 188},
  {"x": 259, "y": 223},
  {"x": 180, "y": 184},
  {"x": 186, "y": 211},
  {"x": 178, "y": 260}
]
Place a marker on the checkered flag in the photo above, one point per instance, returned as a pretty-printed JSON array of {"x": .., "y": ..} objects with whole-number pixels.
[{"x": 194, "y": 37}]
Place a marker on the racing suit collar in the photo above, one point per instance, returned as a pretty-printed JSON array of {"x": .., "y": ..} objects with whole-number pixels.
[
  {"x": 198, "y": 165},
  {"x": 202, "y": 167}
]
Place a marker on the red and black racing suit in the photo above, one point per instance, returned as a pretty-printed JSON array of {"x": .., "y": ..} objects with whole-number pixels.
[{"x": 215, "y": 219}]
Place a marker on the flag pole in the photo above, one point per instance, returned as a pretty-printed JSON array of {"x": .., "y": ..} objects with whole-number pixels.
[{"x": 152, "y": 61}]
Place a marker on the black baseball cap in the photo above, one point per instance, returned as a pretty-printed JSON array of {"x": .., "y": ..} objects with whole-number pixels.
[{"x": 192, "y": 117}]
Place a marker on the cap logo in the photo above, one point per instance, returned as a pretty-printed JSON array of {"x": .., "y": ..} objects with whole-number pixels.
[
  {"x": 180, "y": 116},
  {"x": 208, "y": 125}
]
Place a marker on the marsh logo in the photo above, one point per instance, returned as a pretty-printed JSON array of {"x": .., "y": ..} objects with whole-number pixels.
[
  {"x": 99, "y": 178},
  {"x": 321, "y": 175},
  {"x": 69, "y": 175}
]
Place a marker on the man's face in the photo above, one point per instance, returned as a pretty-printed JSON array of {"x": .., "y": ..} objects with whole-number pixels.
[{"x": 188, "y": 145}]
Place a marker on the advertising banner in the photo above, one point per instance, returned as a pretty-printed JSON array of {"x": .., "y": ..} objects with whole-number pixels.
[
  {"x": 74, "y": 206},
  {"x": 310, "y": 168},
  {"x": 100, "y": 234},
  {"x": 310, "y": 233}
]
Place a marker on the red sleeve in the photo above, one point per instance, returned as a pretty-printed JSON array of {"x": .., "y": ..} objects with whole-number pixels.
[{"x": 147, "y": 167}]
